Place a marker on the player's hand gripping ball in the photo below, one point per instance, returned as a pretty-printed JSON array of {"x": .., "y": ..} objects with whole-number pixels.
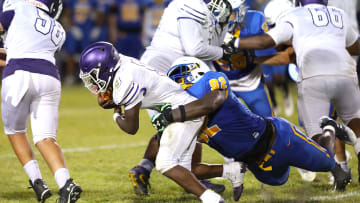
[{"x": 105, "y": 99}]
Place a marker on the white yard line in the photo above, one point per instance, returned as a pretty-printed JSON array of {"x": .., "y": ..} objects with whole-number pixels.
[
  {"x": 88, "y": 149},
  {"x": 333, "y": 197}
]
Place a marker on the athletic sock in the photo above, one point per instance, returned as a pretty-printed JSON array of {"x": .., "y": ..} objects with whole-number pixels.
[
  {"x": 32, "y": 170},
  {"x": 61, "y": 176},
  {"x": 343, "y": 165},
  {"x": 147, "y": 164}
]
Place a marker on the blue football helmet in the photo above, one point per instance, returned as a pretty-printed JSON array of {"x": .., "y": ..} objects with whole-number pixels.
[
  {"x": 187, "y": 71},
  {"x": 305, "y": 2},
  {"x": 52, "y": 7},
  {"x": 98, "y": 64},
  {"x": 221, "y": 9}
]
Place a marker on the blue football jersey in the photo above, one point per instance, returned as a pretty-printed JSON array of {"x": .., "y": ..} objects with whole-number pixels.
[
  {"x": 233, "y": 129},
  {"x": 254, "y": 24}
]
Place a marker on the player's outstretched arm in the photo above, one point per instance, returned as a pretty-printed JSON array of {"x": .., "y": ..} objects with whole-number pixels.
[
  {"x": 128, "y": 120},
  {"x": 209, "y": 103},
  {"x": 263, "y": 41}
]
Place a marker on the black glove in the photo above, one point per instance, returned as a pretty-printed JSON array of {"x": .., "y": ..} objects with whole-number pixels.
[
  {"x": 228, "y": 49},
  {"x": 161, "y": 120}
]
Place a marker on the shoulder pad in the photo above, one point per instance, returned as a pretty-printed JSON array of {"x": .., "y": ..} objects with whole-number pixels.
[{"x": 193, "y": 9}]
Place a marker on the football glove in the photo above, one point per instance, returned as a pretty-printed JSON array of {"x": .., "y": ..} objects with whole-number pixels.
[{"x": 161, "y": 120}]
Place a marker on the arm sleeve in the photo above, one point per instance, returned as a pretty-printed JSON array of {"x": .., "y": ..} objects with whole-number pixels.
[
  {"x": 6, "y": 18},
  {"x": 194, "y": 43},
  {"x": 282, "y": 32},
  {"x": 127, "y": 92},
  {"x": 351, "y": 34}
]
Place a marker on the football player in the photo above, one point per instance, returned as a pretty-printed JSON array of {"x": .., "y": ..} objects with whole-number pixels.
[
  {"x": 269, "y": 145},
  {"x": 244, "y": 74},
  {"x": 187, "y": 28},
  {"x": 31, "y": 87},
  {"x": 323, "y": 41},
  {"x": 134, "y": 86}
]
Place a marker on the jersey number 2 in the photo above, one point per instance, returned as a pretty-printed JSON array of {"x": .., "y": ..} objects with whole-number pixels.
[
  {"x": 45, "y": 25},
  {"x": 322, "y": 18}
]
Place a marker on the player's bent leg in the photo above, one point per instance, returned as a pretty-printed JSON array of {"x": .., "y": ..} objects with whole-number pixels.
[{"x": 201, "y": 172}]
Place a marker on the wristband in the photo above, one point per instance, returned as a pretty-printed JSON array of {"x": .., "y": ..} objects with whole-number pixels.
[
  {"x": 182, "y": 112},
  {"x": 115, "y": 116},
  {"x": 168, "y": 115}
]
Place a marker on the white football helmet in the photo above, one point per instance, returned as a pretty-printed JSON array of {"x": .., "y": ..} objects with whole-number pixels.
[
  {"x": 187, "y": 71},
  {"x": 221, "y": 9},
  {"x": 275, "y": 8}
]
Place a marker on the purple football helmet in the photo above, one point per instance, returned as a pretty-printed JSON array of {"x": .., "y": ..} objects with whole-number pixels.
[
  {"x": 52, "y": 7},
  {"x": 98, "y": 64},
  {"x": 305, "y": 2}
]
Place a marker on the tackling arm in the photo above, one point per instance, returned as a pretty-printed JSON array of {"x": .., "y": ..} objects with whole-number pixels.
[
  {"x": 263, "y": 41},
  {"x": 209, "y": 103},
  {"x": 128, "y": 121}
]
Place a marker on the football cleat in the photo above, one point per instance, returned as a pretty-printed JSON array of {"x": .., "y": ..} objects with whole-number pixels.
[
  {"x": 139, "y": 176},
  {"x": 341, "y": 177},
  {"x": 70, "y": 192},
  {"x": 41, "y": 190},
  {"x": 218, "y": 188},
  {"x": 342, "y": 132}
]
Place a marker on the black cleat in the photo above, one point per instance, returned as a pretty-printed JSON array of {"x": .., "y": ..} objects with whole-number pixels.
[
  {"x": 70, "y": 193},
  {"x": 342, "y": 132},
  {"x": 139, "y": 177},
  {"x": 41, "y": 190},
  {"x": 341, "y": 177},
  {"x": 218, "y": 188}
]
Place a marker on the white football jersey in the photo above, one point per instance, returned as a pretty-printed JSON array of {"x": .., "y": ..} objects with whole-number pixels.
[
  {"x": 319, "y": 36},
  {"x": 187, "y": 28},
  {"x": 136, "y": 82},
  {"x": 33, "y": 34},
  {"x": 349, "y": 6}
]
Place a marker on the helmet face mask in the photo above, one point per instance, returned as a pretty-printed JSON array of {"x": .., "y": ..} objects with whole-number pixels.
[
  {"x": 98, "y": 64},
  {"x": 93, "y": 82},
  {"x": 221, "y": 9},
  {"x": 187, "y": 70}
]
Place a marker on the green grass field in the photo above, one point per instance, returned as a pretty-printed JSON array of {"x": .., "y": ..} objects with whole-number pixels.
[{"x": 99, "y": 156}]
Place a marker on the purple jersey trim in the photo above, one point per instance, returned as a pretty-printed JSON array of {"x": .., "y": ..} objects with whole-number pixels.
[
  {"x": 6, "y": 18},
  {"x": 290, "y": 24},
  {"x": 190, "y": 19},
  {"x": 201, "y": 18},
  {"x": 195, "y": 10},
  {"x": 40, "y": 66},
  {"x": 127, "y": 103}
]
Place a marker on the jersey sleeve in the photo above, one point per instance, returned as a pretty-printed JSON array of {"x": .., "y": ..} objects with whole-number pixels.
[
  {"x": 193, "y": 10},
  {"x": 351, "y": 34},
  {"x": 126, "y": 91},
  {"x": 6, "y": 18},
  {"x": 282, "y": 32}
]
